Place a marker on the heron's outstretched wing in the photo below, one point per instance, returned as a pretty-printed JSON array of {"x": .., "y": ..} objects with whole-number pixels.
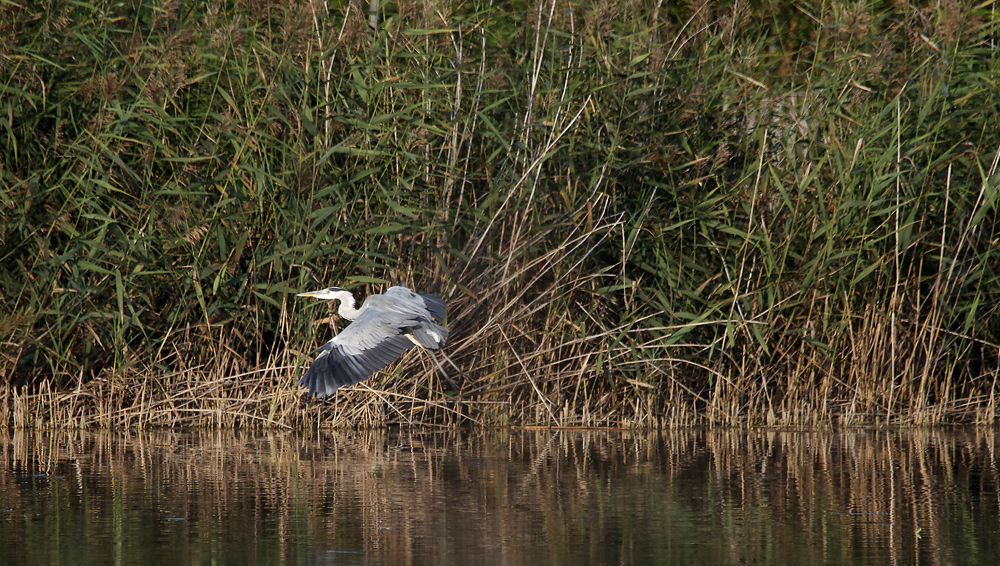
[
  {"x": 378, "y": 337},
  {"x": 367, "y": 345}
]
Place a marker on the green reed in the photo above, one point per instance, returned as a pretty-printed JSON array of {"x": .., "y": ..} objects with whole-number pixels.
[{"x": 638, "y": 215}]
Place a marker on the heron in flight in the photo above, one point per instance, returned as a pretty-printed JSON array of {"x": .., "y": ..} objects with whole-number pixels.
[{"x": 381, "y": 330}]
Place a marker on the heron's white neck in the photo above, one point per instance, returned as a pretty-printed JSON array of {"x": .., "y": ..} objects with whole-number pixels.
[{"x": 348, "y": 306}]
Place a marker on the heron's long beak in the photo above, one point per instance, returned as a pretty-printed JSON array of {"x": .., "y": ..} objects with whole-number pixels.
[{"x": 321, "y": 294}]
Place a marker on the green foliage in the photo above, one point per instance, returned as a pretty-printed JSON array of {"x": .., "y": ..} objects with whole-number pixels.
[{"x": 723, "y": 212}]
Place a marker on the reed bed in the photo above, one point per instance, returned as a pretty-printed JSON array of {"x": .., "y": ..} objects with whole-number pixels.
[{"x": 640, "y": 214}]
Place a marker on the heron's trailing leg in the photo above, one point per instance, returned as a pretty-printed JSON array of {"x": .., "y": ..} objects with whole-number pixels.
[{"x": 444, "y": 373}]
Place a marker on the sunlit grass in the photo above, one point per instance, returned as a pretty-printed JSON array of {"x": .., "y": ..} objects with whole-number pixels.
[{"x": 638, "y": 215}]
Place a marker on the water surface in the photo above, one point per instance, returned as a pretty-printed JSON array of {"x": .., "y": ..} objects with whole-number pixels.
[{"x": 528, "y": 497}]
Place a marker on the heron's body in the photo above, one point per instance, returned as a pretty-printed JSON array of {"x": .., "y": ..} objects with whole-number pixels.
[{"x": 381, "y": 330}]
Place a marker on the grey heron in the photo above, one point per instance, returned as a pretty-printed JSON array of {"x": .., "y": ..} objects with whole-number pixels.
[{"x": 381, "y": 330}]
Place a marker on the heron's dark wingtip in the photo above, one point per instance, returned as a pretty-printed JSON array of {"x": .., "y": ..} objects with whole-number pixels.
[{"x": 316, "y": 385}]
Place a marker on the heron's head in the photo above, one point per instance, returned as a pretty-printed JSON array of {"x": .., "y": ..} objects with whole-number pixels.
[{"x": 328, "y": 294}]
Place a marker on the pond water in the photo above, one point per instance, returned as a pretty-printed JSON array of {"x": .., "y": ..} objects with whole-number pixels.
[{"x": 684, "y": 496}]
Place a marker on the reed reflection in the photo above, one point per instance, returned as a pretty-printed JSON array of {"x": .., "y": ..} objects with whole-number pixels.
[{"x": 683, "y": 496}]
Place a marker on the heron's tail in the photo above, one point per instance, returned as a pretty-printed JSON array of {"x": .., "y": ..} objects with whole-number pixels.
[{"x": 428, "y": 334}]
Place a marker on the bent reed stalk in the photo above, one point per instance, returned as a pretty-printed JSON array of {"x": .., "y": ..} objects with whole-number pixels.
[{"x": 639, "y": 215}]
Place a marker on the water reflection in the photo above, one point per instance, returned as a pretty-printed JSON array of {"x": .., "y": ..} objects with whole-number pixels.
[{"x": 417, "y": 497}]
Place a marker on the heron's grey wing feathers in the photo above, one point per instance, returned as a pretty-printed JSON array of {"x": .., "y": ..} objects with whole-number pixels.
[
  {"x": 334, "y": 368},
  {"x": 407, "y": 299}
]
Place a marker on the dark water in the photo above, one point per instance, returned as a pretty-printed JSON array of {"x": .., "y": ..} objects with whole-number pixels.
[{"x": 538, "y": 497}]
